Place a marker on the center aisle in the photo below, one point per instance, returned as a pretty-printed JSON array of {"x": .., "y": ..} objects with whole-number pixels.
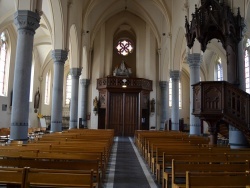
[{"x": 127, "y": 168}]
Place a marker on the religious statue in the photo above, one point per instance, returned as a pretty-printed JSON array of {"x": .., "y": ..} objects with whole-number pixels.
[
  {"x": 152, "y": 106},
  {"x": 36, "y": 100},
  {"x": 95, "y": 104}
]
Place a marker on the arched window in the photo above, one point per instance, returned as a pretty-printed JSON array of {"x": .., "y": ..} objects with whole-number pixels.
[
  {"x": 3, "y": 64},
  {"x": 247, "y": 72},
  {"x": 170, "y": 94},
  {"x": 219, "y": 69},
  {"x": 124, "y": 47},
  {"x": 68, "y": 89},
  {"x": 47, "y": 88}
]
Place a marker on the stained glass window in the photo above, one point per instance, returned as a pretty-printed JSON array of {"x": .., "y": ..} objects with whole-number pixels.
[{"x": 124, "y": 47}]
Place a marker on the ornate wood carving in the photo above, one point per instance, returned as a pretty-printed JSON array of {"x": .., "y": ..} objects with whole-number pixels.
[
  {"x": 215, "y": 101},
  {"x": 212, "y": 95},
  {"x": 117, "y": 82},
  {"x": 214, "y": 19},
  {"x": 103, "y": 98}
]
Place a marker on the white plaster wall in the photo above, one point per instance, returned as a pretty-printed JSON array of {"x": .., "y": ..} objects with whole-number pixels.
[
  {"x": 185, "y": 96},
  {"x": 95, "y": 70}
]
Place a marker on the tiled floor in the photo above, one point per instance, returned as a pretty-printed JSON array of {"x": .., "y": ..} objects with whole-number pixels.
[{"x": 126, "y": 168}]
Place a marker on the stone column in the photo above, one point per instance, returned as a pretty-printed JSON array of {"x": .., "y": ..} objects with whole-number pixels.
[
  {"x": 194, "y": 61},
  {"x": 164, "y": 104},
  {"x": 175, "y": 76},
  {"x": 237, "y": 139},
  {"x": 84, "y": 89},
  {"x": 26, "y": 22},
  {"x": 59, "y": 57},
  {"x": 75, "y": 73}
]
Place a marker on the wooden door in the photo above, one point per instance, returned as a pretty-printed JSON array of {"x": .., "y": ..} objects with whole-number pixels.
[
  {"x": 116, "y": 113},
  {"x": 130, "y": 113},
  {"x": 123, "y": 113}
]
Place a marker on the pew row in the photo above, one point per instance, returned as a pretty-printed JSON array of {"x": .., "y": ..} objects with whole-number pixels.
[
  {"x": 28, "y": 177},
  {"x": 217, "y": 179}
]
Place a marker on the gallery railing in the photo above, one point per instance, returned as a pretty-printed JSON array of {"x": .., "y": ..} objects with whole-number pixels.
[{"x": 119, "y": 82}]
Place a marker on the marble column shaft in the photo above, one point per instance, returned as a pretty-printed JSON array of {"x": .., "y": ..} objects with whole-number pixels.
[
  {"x": 237, "y": 138},
  {"x": 75, "y": 73},
  {"x": 194, "y": 61},
  {"x": 59, "y": 57},
  {"x": 84, "y": 97},
  {"x": 164, "y": 103},
  {"x": 26, "y": 22},
  {"x": 175, "y": 76}
]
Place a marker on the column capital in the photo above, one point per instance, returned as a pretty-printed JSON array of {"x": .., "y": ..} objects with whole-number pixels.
[
  {"x": 75, "y": 72},
  {"x": 194, "y": 59},
  {"x": 27, "y": 20},
  {"x": 84, "y": 82},
  {"x": 175, "y": 74},
  {"x": 163, "y": 84},
  {"x": 59, "y": 55}
]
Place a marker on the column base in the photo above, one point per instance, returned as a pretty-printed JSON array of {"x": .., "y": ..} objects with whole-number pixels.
[
  {"x": 19, "y": 132},
  {"x": 175, "y": 126},
  {"x": 237, "y": 139},
  {"x": 56, "y": 127},
  {"x": 195, "y": 129}
]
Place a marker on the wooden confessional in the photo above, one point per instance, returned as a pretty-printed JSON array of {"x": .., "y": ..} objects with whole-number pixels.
[{"x": 123, "y": 104}]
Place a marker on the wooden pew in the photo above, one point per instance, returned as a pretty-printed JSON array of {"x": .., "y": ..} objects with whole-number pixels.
[
  {"x": 180, "y": 149},
  {"x": 56, "y": 163},
  {"x": 218, "y": 152},
  {"x": 79, "y": 145},
  {"x": 12, "y": 176},
  {"x": 59, "y": 178},
  {"x": 219, "y": 155},
  {"x": 164, "y": 170},
  {"x": 179, "y": 169},
  {"x": 217, "y": 179}
]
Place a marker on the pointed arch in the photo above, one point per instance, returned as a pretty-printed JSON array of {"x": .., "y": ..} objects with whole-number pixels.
[
  {"x": 177, "y": 58},
  {"x": 74, "y": 48},
  {"x": 58, "y": 29}
]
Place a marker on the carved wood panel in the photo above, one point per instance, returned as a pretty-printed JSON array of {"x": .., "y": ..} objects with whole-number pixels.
[{"x": 103, "y": 98}]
